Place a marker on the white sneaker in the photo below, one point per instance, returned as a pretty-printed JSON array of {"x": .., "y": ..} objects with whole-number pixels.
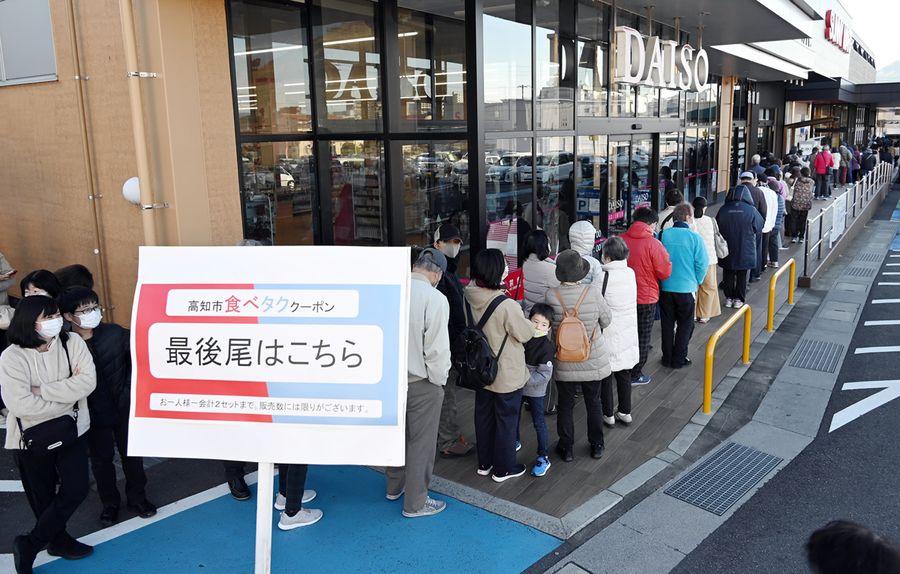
[
  {"x": 484, "y": 471},
  {"x": 623, "y": 418},
  {"x": 397, "y": 496},
  {"x": 281, "y": 501},
  {"x": 304, "y": 517},
  {"x": 609, "y": 421},
  {"x": 738, "y": 304},
  {"x": 431, "y": 508},
  {"x": 774, "y": 264},
  {"x": 729, "y": 303}
]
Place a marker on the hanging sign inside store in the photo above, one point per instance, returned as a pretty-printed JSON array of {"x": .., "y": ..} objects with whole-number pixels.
[
  {"x": 659, "y": 63},
  {"x": 270, "y": 353},
  {"x": 836, "y": 31}
]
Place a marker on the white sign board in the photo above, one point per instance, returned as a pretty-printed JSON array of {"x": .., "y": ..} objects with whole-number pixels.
[
  {"x": 839, "y": 218},
  {"x": 271, "y": 354}
]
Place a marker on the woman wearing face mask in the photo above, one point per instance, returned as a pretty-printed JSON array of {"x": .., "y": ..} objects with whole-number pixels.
[
  {"x": 40, "y": 282},
  {"x": 46, "y": 374},
  {"x": 109, "y": 404}
]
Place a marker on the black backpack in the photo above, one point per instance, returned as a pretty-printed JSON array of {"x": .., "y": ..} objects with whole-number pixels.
[
  {"x": 869, "y": 161},
  {"x": 473, "y": 358}
]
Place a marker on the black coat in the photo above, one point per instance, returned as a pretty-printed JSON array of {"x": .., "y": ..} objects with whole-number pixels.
[
  {"x": 739, "y": 222},
  {"x": 452, "y": 289},
  {"x": 758, "y": 199},
  {"x": 111, "y": 348}
]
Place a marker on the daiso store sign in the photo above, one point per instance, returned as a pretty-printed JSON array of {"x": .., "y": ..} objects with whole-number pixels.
[
  {"x": 659, "y": 63},
  {"x": 836, "y": 31}
]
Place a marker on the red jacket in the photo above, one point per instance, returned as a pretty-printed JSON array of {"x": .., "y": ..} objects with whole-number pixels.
[
  {"x": 649, "y": 260},
  {"x": 823, "y": 161}
]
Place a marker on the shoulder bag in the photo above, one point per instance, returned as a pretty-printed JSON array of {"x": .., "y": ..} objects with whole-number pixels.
[{"x": 721, "y": 244}]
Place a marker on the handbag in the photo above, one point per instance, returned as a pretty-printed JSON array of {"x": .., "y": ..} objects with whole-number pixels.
[
  {"x": 55, "y": 433},
  {"x": 721, "y": 244}
]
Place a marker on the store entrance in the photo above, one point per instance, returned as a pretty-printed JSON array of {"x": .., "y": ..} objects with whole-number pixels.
[{"x": 630, "y": 166}]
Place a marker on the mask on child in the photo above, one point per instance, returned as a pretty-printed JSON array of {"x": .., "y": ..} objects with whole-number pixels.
[
  {"x": 539, "y": 333},
  {"x": 49, "y": 328},
  {"x": 91, "y": 319}
]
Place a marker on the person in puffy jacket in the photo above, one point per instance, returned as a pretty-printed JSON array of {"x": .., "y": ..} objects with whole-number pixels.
[
  {"x": 619, "y": 289},
  {"x": 595, "y": 315},
  {"x": 497, "y": 405},
  {"x": 110, "y": 347},
  {"x": 538, "y": 271},
  {"x": 651, "y": 264},
  {"x": 582, "y": 238},
  {"x": 47, "y": 374},
  {"x": 739, "y": 223}
]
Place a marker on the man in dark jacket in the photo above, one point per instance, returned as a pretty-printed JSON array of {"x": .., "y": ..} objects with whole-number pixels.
[
  {"x": 748, "y": 180},
  {"x": 109, "y": 404},
  {"x": 448, "y": 240},
  {"x": 739, "y": 223}
]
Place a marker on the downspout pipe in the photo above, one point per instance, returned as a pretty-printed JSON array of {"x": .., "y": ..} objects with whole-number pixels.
[
  {"x": 88, "y": 155},
  {"x": 148, "y": 220}
]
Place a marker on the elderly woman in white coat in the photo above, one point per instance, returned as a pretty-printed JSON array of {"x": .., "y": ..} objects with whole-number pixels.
[
  {"x": 538, "y": 271},
  {"x": 708, "y": 305},
  {"x": 619, "y": 288}
]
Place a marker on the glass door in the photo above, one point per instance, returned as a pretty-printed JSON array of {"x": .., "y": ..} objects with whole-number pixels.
[{"x": 631, "y": 173}]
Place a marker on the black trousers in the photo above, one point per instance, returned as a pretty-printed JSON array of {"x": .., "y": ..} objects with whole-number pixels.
[
  {"x": 103, "y": 442},
  {"x": 65, "y": 467},
  {"x": 291, "y": 483},
  {"x": 496, "y": 423},
  {"x": 734, "y": 284},
  {"x": 763, "y": 255},
  {"x": 565, "y": 421},
  {"x": 759, "y": 255},
  {"x": 646, "y": 315},
  {"x": 800, "y": 223},
  {"x": 234, "y": 469},
  {"x": 623, "y": 391},
  {"x": 677, "y": 323}
]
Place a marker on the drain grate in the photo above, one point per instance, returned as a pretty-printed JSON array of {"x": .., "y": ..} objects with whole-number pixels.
[
  {"x": 870, "y": 256},
  {"x": 816, "y": 355},
  {"x": 724, "y": 478},
  {"x": 861, "y": 272}
]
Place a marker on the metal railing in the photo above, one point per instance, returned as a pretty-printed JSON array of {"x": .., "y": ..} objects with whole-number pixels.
[
  {"x": 856, "y": 198},
  {"x": 711, "y": 350},
  {"x": 789, "y": 264}
]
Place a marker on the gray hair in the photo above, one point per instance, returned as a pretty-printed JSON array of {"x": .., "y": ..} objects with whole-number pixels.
[
  {"x": 427, "y": 264},
  {"x": 755, "y": 159},
  {"x": 615, "y": 249},
  {"x": 249, "y": 242},
  {"x": 682, "y": 212}
]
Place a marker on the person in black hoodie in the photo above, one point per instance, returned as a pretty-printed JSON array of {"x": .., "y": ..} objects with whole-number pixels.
[
  {"x": 448, "y": 240},
  {"x": 109, "y": 404}
]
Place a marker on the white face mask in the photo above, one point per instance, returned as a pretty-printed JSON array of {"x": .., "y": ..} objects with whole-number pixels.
[
  {"x": 451, "y": 250},
  {"x": 37, "y": 292},
  {"x": 91, "y": 319},
  {"x": 49, "y": 328}
]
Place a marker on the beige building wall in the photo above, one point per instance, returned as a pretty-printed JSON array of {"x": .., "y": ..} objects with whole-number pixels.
[{"x": 47, "y": 217}]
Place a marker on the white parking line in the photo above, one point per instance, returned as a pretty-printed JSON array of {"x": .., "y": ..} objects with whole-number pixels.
[
  {"x": 895, "y": 255},
  {"x": 883, "y": 301},
  {"x": 887, "y": 283},
  {"x": 881, "y": 323},
  {"x": 891, "y": 273},
  {"x": 892, "y": 264},
  {"x": 11, "y": 486},
  {"x": 869, "y": 350}
]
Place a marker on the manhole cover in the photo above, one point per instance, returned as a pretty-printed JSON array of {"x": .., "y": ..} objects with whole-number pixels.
[
  {"x": 723, "y": 478},
  {"x": 816, "y": 355}
]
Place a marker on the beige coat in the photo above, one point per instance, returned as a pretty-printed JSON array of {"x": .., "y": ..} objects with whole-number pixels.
[
  {"x": 595, "y": 314},
  {"x": 36, "y": 386},
  {"x": 512, "y": 374}
]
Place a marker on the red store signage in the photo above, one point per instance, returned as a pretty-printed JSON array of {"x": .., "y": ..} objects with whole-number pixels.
[{"x": 836, "y": 31}]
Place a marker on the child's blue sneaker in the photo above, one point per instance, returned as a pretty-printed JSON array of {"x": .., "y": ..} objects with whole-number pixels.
[{"x": 541, "y": 465}]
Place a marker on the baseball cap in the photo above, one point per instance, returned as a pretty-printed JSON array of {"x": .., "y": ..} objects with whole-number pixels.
[
  {"x": 748, "y": 175},
  {"x": 435, "y": 256},
  {"x": 447, "y": 232}
]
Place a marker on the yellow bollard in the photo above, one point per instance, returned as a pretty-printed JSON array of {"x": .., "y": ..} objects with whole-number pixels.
[
  {"x": 789, "y": 264},
  {"x": 711, "y": 350}
]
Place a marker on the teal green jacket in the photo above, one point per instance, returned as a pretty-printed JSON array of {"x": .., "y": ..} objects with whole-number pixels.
[{"x": 689, "y": 259}]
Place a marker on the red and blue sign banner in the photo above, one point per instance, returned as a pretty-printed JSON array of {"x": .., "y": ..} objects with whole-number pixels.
[{"x": 285, "y": 354}]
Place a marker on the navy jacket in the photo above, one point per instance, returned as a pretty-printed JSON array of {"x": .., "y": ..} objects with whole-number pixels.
[
  {"x": 739, "y": 223},
  {"x": 451, "y": 288},
  {"x": 111, "y": 348}
]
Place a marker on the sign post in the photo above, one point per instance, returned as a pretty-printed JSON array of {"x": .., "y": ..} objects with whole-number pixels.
[{"x": 294, "y": 355}]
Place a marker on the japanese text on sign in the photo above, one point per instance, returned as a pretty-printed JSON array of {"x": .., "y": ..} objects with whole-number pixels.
[
  {"x": 285, "y": 353},
  {"x": 296, "y": 407},
  {"x": 338, "y": 303}
]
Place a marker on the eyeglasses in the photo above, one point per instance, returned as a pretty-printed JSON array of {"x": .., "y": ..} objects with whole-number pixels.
[{"x": 86, "y": 310}]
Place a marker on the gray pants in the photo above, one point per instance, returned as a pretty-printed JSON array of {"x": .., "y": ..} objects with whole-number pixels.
[
  {"x": 423, "y": 411},
  {"x": 448, "y": 431}
]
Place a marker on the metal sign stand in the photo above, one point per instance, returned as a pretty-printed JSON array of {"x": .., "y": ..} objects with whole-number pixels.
[{"x": 264, "y": 493}]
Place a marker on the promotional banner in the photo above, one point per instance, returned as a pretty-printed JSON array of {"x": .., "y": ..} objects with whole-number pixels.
[
  {"x": 271, "y": 354},
  {"x": 839, "y": 218}
]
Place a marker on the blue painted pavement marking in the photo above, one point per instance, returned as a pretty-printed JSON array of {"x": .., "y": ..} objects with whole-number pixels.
[{"x": 360, "y": 532}]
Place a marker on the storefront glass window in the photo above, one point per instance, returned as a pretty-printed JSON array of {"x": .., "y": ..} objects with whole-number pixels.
[
  {"x": 706, "y": 145},
  {"x": 436, "y": 191},
  {"x": 670, "y": 166},
  {"x": 555, "y": 171},
  {"x": 556, "y": 70},
  {"x": 507, "y": 66},
  {"x": 278, "y": 185},
  {"x": 357, "y": 193},
  {"x": 691, "y": 163},
  {"x": 670, "y": 103},
  {"x": 647, "y": 102},
  {"x": 589, "y": 199},
  {"x": 593, "y": 49},
  {"x": 271, "y": 68},
  {"x": 347, "y": 66},
  {"x": 509, "y": 196},
  {"x": 622, "y": 182},
  {"x": 432, "y": 68}
]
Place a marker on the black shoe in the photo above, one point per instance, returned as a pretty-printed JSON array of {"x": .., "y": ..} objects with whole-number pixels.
[
  {"x": 597, "y": 451},
  {"x": 665, "y": 363},
  {"x": 239, "y": 489},
  {"x": 686, "y": 363},
  {"x": 71, "y": 549},
  {"x": 550, "y": 412},
  {"x": 109, "y": 516},
  {"x": 24, "y": 554},
  {"x": 146, "y": 509},
  {"x": 565, "y": 453}
]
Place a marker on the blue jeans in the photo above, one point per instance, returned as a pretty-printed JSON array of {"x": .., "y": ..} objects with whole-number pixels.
[{"x": 540, "y": 425}]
